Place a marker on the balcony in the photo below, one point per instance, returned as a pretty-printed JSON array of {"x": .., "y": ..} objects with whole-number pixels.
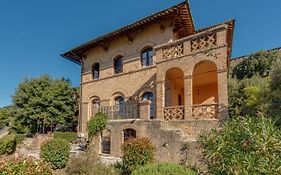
[
  {"x": 205, "y": 111},
  {"x": 205, "y": 40},
  {"x": 120, "y": 112}
]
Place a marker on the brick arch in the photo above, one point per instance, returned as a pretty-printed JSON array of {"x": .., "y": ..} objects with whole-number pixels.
[
  {"x": 115, "y": 95},
  {"x": 146, "y": 45},
  {"x": 118, "y": 54},
  {"x": 161, "y": 75}
]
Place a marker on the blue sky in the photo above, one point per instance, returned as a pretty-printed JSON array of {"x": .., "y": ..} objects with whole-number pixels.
[{"x": 34, "y": 33}]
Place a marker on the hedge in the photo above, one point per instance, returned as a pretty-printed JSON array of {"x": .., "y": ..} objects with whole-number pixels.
[{"x": 9, "y": 142}]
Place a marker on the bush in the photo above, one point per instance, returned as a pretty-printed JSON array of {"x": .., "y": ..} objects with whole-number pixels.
[
  {"x": 8, "y": 144},
  {"x": 68, "y": 136},
  {"x": 163, "y": 169},
  {"x": 88, "y": 164},
  {"x": 244, "y": 146},
  {"x": 56, "y": 152},
  {"x": 96, "y": 124},
  {"x": 137, "y": 152},
  {"x": 19, "y": 138},
  {"x": 24, "y": 166}
]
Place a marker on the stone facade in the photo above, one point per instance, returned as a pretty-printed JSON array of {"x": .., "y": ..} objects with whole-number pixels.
[{"x": 171, "y": 100}]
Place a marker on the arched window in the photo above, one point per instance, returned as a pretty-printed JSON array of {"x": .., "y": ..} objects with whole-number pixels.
[
  {"x": 118, "y": 64},
  {"x": 95, "y": 105},
  {"x": 149, "y": 96},
  {"x": 147, "y": 57},
  {"x": 96, "y": 71},
  {"x": 119, "y": 102},
  {"x": 129, "y": 133}
]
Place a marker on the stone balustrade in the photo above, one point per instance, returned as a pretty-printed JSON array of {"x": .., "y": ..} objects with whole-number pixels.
[
  {"x": 205, "y": 111},
  {"x": 174, "y": 113},
  {"x": 201, "y": 41}
]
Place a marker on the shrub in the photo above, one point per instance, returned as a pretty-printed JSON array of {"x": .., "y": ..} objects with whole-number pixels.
[
  {"x": 163, "y": 169},
  {"x": 244, "y": 146},
  {"x": 68, "y": 136},
  {"x": 8, "y": 144},
  {"x": 96, "y": 124},
  {"x": 19, "y": 138},
  {"x": 88, "y": 164},
  {"x": 137, "y": 152},
  {"x": 56, "y": 152},
  {"x": 23, "y": 166}
]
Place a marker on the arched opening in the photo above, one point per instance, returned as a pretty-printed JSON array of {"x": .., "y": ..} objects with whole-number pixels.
[
  {"x": 106, "y": 141},
  {"x": 95, "y": 105},
  {"x": 128, "y": 134},
  {"x": 149, "y": 96},
  {"x": 147, "y": 57},
  {"x": 174, "y": 90},
  {"x": 205, "y": 90},
  {"x": 174, "y": 86},
  {"x": 118, "y": 64},
  {"x": 96, "y": 71},
  {"x": 120, "y": 105}
]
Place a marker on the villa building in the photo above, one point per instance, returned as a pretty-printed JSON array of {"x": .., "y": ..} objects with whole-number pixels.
[{"x": 157, "y": 78}]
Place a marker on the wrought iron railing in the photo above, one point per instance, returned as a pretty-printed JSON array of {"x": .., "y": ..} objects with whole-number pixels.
[
  {"x": 205, "y": 111},
  {"x": 174, "y": 113},
  {"x": 120, "y": 112}
]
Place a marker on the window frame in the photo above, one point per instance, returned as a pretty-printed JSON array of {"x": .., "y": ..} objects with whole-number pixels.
[
  {"x": 118, "y": 68},
  {"x": 147, "y": 60},
  {"x": 96, "y": 70}
]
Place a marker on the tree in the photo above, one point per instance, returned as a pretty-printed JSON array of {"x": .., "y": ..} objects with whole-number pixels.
[
  {"x": 5, "y": 116},
  {"x": 44, "y": 104},
  {"x": 259, "y": 63}
]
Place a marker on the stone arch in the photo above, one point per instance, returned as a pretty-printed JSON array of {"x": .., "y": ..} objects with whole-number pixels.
[
  {"x": 174, "y": 86},
  {"x": 145, "y": 45},
  {"x": 94, "y": 104},
  {"x": 205, "y": 83}
]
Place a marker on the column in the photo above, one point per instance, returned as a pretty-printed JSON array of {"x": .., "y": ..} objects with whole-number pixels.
[
  {"x": 144, "y": 109},
  {"x": 188, "y": 97},
  {"x": 222, "y": 94},
  {"x": 160, "y": 99}
]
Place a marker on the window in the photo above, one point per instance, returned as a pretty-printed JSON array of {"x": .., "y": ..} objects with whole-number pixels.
[
  {"x": 96, "y": 71},
  {"x": 118, "y": 65},
  {"x": 149, "y": 96},
  {"x": 147, "y": 57},
  {"x": 105, "y": 142},
  {"x": 129, "y": 133},
  {"x": 95, "y": 105},
  {"x": 119, "y": 102}
]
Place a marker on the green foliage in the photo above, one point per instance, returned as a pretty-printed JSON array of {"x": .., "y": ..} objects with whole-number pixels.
[
  {"x": 137, "y": 152},
  {"x": 5, "y": 114},
  {"x": 275, "y": 100},
  {"x": 244, "y": 146},
  {"x": 44, "y": 102},
  {"x": 259, "y": 63},
  {"x": 163, "y": 169},
  {"x": 24, "y": 166},
  {"x": 88, "y": 164},
  {"x": 8, "y": 144},
  {"x": 96, "y": 124},
  {"x": 68, "y": 136},
  {"x": 56, "y": 152},
  {"x": 19, "y": 138}
]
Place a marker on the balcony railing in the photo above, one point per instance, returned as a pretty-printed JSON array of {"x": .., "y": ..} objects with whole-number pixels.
[
  {"x": 174, "y": 113},
  {"x": 205, "y": 111},
  {"x": 201, "y": 41},
  {"x": 120, "y": 112}
]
